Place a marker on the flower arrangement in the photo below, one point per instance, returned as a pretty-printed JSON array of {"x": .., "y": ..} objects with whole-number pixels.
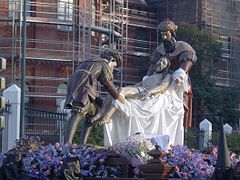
[
  {"x": 190, "y": 164},
  {"x": 134, "y": 149},
  {"x": 193, "y": 164},
  {"x": 46, "y": 162}
]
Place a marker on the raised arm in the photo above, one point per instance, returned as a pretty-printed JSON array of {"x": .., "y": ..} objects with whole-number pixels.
[
  {"x": 106, "y": 79},
  {"x": 186, "y": 59}
]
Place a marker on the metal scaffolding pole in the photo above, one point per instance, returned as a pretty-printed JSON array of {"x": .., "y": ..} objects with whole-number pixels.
[{"x": 23, "y": 68}]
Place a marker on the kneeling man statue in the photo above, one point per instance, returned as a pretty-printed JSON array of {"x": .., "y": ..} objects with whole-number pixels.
[{"x": 81, "y": 95}]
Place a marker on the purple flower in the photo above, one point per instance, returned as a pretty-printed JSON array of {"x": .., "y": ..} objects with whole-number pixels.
[{"x": 45, "y": 162}]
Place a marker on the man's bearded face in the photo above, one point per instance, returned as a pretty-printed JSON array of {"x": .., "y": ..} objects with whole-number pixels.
[
  {"x": 166, "y": 35},
  {"x": 168, "y": 41}
]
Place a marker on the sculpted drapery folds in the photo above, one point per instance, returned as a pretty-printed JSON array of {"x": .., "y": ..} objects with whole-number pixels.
[
  {"x": 162, "y": 102},
  {"x": 166, "y": 113},
  {"x": 171, "y": 57}
]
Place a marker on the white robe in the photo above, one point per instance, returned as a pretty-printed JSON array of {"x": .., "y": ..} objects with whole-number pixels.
[{"x": 161, "y": 114}]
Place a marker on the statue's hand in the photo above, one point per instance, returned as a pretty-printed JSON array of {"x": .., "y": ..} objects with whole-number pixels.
[
  {"x": 178, "y": 78},
  {"x": 121, "y": 99},
  {"x": 144, "y": 78},
  {"x": 178, "y": 82}
]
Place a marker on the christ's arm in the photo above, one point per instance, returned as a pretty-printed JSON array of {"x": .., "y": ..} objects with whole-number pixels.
[{"x": 162, "y": 87}]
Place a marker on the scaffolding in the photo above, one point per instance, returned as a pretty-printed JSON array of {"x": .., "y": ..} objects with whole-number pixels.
[
  {"x": 221, "y": 18},
  {"x": 62, "y": 33}
]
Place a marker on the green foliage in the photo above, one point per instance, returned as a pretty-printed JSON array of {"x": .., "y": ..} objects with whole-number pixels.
[
  {"x": 226, "y": 103},
  {"x": 208, "y": 51},
  {"x": 202, "y": 42},
  {"x": 192, "y": 136},
  {"x": 191, "y": 139},
  {"x": 95, "y": 137},
  {"x": 221, "y": 101},
  {"x": 232, "y": 141}
]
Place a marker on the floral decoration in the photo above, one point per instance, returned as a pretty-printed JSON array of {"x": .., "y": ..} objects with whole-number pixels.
[
  {"x": 134, "y": 149},
  {"x": 46, "y": 162}
]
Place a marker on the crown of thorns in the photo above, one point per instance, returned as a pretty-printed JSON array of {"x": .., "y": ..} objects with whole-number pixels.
[{"x": 167, "y": 25}]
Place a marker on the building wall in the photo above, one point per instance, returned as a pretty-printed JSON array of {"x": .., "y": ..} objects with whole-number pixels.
[
  {"x": 54, "y": 49},
  {"x": 222, "y": 19},
  {"x": 188, "y": 11}
]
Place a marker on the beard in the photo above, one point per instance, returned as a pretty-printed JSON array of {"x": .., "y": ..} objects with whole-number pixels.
[{"x": 169, "y": 45}]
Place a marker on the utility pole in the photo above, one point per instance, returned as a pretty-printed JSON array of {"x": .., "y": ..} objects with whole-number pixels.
[{"x": 23, "y": 68}]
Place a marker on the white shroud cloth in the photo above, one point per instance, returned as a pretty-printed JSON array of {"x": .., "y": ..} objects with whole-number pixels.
[{"x": 159, "y": 115}]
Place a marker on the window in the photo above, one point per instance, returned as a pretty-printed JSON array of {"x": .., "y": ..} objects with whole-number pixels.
[
  {"x": 226, "y": 45},
  {"x": 65, "y": 14},
  {"x": 14, "y": 8}
]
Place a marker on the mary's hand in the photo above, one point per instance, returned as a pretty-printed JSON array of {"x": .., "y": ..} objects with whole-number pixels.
[{"x": 178, "y": 82}]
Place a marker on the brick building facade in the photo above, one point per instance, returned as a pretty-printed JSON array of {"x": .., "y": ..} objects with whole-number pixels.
[{"x": 61, "y": 33}]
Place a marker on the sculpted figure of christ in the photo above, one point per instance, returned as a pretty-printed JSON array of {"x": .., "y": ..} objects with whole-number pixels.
[{"x": 157, "y": 83}]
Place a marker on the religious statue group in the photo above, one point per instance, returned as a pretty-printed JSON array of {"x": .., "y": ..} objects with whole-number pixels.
[{"x": 161, "y": 104}]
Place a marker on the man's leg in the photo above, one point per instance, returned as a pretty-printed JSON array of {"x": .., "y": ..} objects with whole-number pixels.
[
  {"x": 85, "y": 131},
  {"x": 87, "y": 124},
  {"x": 74, "y": 121}
]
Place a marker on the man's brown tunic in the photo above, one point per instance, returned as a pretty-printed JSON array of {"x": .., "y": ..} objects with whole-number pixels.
[{"x": 82, "y": 87}]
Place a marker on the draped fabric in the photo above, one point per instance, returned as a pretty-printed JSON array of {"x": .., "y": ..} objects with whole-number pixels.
[{"x": 161, "y": 114}]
